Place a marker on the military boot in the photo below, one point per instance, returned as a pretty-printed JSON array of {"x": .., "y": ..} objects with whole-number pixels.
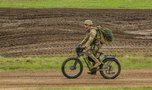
[
  {"x": 97, "y": 64},
  {"x": 93, "y": 71}
]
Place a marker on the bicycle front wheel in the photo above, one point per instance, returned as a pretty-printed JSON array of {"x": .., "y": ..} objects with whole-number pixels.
[{"x": 72, "y": 68}]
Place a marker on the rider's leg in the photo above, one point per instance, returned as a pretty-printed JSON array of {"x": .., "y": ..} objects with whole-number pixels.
[
  {"x": 90, "y": 59},
  {"x": 97, "y": 49},
  {"x": 91, "y": 55},
  {"x": 92, "y": 71}
]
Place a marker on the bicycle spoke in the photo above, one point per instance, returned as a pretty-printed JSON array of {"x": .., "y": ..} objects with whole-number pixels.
[
  {"x": 72, "y": 68},
  {"x": 110, "y": 68}
]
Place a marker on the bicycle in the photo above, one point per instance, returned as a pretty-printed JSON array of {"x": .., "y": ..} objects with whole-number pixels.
[{"x": 73, "y": 67}]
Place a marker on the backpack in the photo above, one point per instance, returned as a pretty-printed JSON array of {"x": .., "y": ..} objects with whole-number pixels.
[{"x": 106, "y": 32}]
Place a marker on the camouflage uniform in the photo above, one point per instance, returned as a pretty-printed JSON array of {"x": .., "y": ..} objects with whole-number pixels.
[{"x": 92, "y": 43}]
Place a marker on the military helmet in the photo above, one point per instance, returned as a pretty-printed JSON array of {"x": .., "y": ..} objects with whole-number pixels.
[{"x": 88, "y": 22}]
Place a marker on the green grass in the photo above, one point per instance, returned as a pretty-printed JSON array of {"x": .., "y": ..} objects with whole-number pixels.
[
  {"x": 132, "y": 62},
  {"x": 98, "y": 4},
  {"x": 97, "y": 88},
  {"x": 31, "y": 63},
  {"x": 127, "y": 61}
]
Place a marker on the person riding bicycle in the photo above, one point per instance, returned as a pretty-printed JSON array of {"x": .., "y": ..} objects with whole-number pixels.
[
  {"x": 91, "y": 44},
  {"x": 108, "y": 66}
]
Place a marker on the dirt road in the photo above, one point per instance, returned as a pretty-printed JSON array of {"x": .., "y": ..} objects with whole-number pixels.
[{"x": 30, "y": 79}]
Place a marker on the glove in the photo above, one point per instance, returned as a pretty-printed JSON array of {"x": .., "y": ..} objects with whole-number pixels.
[{"x": 79, "y": 49}]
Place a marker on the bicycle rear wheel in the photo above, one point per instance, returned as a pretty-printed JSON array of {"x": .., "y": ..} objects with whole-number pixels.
[{"x": 110, "y": 69}]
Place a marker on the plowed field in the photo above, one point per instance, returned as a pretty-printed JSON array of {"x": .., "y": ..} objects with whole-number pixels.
[{"x": 46, "y": 32}]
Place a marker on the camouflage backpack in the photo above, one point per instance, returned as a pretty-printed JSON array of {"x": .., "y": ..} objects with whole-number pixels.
[{"x": 107, "y": 33}]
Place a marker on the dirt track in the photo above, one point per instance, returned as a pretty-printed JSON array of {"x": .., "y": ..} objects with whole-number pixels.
[
  {"x": 32, "y": 32},
  {"x": 137, "y": 77}
]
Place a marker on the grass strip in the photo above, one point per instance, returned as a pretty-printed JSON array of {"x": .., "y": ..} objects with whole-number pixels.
[
  {"x": 54, "y": 63},
  {"x": 94, "y": 4}
]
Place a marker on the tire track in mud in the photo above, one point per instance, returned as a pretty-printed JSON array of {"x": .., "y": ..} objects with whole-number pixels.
[{"x": 22, "y": 28}]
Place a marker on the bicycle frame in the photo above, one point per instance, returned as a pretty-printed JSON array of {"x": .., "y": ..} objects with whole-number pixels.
[{"x": 88, "y": 63}]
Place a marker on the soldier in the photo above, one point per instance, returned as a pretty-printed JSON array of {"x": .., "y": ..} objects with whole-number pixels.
[{"x": 91, "y": 44}]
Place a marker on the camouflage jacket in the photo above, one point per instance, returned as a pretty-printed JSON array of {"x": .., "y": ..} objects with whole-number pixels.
[{"x": 92, "y": 39}]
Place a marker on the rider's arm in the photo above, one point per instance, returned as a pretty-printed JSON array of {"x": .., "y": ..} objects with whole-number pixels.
[
  {"x": 84, "y": 40},
  {"x": 92, "y": 35}
]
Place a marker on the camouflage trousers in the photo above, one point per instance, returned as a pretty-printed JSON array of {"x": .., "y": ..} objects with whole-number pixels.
[{"x": 92, "y": 53}]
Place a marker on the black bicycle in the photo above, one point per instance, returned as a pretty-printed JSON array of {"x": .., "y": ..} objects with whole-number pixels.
[{"x": 73, "y": 67}]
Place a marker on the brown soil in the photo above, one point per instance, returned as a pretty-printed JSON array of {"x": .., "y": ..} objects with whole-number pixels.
[
  {"x": 35, "y": 79},
  {"x": 45, "y": 32}
]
